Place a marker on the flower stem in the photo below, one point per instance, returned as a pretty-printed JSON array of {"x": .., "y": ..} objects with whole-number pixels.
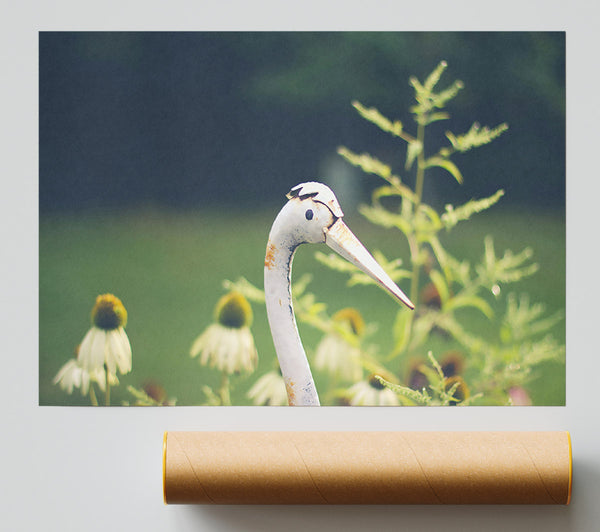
[
  {"x": 93, "y": 398},
  {"x": 107, "y": 393},
  {"x": 224, "y": 390}
]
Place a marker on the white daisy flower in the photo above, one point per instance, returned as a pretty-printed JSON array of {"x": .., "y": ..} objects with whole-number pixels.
[
  {"x": 228, "y": 344},
  {"x": 72, "y": 375},
  {"x": 106, "y": 344},
  {"x": 371, "y": 393},
  {"x": 338, "y": 352},
  {"x": 269, "y": 390}
]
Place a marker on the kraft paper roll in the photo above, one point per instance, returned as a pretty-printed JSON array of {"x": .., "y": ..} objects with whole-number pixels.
[{"x": 367, "y": 467}]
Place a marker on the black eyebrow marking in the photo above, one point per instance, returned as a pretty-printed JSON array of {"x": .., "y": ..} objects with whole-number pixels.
[
  {"x": 296, "y": 193},
  {"x": 311, "y": 195}
]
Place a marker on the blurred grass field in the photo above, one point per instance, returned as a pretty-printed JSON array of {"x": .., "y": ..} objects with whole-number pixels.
[{"x": 168, "y": 266}]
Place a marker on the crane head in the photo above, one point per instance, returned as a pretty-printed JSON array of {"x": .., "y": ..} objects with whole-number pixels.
[{"x": 313, "y": 215}]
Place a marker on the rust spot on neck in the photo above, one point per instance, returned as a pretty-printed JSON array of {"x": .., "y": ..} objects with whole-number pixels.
[
  {"x": 270, "y": 256},
  {"x": 291, "y": 392}
]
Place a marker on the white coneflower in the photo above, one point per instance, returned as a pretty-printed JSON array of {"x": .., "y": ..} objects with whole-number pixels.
[
  {"x": 106, "y": 344},
  {"x": 72, "y": 375},
  {"x": 269, "y": 390},
  {"x": 338, "y": 352},
  {"x": 371, "y": 393},
  {"x": 228, "y": 345}
]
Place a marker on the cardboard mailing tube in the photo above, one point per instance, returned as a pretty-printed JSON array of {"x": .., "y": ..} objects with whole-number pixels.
[{"x": 367, "y": 467}]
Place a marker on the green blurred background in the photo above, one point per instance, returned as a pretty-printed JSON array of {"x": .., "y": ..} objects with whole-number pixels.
[{"x": 164, "y": 158}]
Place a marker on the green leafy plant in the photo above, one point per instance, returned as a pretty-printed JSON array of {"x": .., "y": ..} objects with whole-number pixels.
[
  {"x": 452, "y": 284},
  {"x": 442, "y": 286}
]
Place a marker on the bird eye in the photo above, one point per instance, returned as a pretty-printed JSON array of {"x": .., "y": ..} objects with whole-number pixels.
[{"x": 309, "y": 214}]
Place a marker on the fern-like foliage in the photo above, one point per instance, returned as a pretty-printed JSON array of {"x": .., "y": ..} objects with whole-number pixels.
[
  {"x": 373, "y": 115},
  {"x": 475, "y": 137},
  {"x": 459, "y": 302},
  {"x": 437, "y": 389},
  {"x": 458, "y": 285},
  {"x": 453, "y": 215}
]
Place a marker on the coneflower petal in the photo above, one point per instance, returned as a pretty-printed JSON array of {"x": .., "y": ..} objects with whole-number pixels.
[{"x": 98, "y": 349}]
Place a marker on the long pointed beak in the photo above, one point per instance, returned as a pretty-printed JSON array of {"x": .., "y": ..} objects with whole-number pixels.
[{"x": 339, "y": 238}]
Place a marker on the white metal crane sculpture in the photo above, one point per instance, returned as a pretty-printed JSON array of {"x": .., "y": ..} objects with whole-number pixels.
[{"x": 312, "y": 215}]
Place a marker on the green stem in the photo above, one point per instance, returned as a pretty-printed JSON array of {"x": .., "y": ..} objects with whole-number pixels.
[
  {"x": 107, "y": 393},
  {"x": 93, "y": 398},
  {"x": 224, "y": 390},
  {"x": 420, "y": 165},
  {"x": 413, "y": 242},
  {"x": 415, "y": 248}
]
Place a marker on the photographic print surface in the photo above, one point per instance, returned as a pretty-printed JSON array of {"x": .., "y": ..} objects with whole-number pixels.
[{"x": 180, "y": 174}]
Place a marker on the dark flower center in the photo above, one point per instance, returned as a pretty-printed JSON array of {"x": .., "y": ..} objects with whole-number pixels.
[
  {"x": 234, "y": 311},
  {"x": 109, "y": 313}
]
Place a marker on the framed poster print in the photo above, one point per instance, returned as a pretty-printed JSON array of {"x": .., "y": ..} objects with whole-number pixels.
[{"x": 165, "y": 268}]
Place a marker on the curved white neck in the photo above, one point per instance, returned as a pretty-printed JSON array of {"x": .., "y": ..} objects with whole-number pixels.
[{"x": 295, "y": 370}]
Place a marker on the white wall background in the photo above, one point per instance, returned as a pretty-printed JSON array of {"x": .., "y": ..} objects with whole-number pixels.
[{"x": 89, "y": 469}]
